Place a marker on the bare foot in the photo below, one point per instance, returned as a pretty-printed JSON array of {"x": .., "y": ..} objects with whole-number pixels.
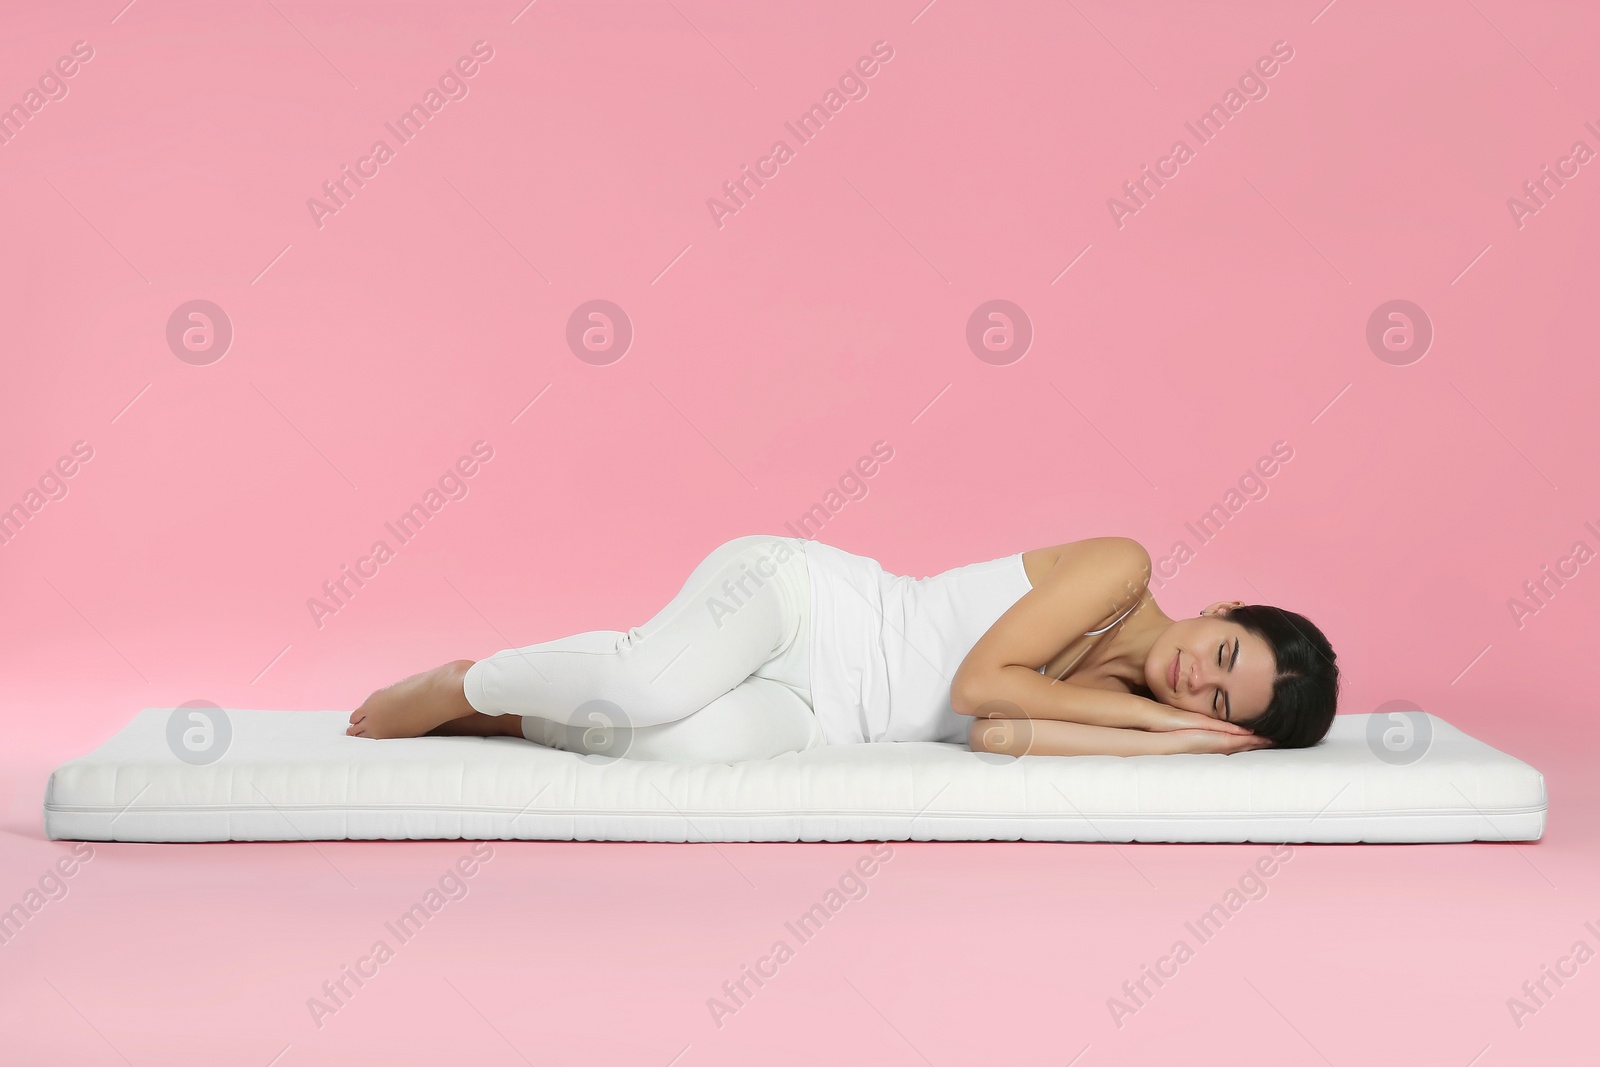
[
  {"x": 413, "y": 706},
  {"x": 479, "y": 725}
]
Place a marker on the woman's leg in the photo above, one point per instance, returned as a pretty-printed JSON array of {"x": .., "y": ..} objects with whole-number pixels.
[
  {"x": 727, "y": 620},
  {"x": 479, "y": 725},
  {"x": 413, "y": 706},
  {"x": 756, "y": 719}
]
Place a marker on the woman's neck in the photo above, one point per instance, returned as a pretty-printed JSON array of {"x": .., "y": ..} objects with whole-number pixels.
[{"x": 1131, "y": 642}]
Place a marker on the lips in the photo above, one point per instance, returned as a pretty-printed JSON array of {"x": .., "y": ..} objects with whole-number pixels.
[{"x": 1172, "y": 673}]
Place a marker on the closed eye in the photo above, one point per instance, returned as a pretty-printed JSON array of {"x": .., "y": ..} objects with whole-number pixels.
[{"x": 1227, "y": 700}]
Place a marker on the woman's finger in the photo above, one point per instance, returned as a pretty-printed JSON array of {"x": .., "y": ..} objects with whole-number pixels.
[{"x": 1206, "y": 722}]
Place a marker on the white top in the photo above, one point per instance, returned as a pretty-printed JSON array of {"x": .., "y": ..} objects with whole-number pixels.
[{"x": 884, "y": 647}]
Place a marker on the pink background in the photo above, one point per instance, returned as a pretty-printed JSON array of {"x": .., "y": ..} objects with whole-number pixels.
[{"x": 769, "y": 354}]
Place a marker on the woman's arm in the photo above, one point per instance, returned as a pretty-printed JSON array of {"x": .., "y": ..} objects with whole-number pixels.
[
  {"x": 1047, "y": 737},
  {"x": 1020, "y": 692},
  {"x": 1091, "y": 580}
]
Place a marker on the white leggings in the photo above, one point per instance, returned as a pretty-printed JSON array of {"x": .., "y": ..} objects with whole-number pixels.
[{"x": 721, "y": 674}]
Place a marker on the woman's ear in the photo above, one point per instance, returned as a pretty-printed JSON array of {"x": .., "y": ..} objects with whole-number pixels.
[{"x": 1222, "y": 607}]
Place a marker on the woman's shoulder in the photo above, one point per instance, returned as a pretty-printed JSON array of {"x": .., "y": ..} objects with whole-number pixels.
[{"x": 1121, "y": 555}]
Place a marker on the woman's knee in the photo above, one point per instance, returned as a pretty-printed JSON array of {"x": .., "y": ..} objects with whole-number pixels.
[{"x": 757, "y": 719}]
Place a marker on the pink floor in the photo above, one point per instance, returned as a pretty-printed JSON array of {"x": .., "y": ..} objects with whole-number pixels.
[
  {"x": 193, "y": 488},
  {"x": 952, "y": 954}
]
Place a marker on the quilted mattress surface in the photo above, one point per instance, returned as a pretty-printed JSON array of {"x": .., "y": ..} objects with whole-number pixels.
[{"x": 288, "y": 776}]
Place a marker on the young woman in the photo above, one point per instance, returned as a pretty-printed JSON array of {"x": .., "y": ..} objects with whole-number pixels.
[{"x": 779, "y": 644}]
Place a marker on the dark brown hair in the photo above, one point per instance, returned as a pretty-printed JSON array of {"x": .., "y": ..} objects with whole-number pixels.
[{"x": 1305, "y": 691}]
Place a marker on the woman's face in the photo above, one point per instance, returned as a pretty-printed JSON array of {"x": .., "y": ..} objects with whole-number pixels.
[{"x": 1212, "y": 666}]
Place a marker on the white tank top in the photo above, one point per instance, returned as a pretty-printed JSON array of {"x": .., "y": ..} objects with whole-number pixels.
[{"x": 884, "y": 648}]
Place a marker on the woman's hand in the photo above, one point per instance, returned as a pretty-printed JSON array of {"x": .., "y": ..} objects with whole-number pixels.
[
  {"x": 1165, "y": 717},
  {"x": 1057, "y": 737},
  {"x": 1210, "y": 741}
]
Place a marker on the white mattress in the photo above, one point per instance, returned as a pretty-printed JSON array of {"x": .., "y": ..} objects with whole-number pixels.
[{"x": 288, "y": 776}]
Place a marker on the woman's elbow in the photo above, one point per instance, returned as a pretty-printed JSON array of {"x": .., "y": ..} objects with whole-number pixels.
[
  {"x": 1006, "y": 737},
  {"x": 978, "y": 732},
  {"x": 965, "y": 698},
  {"x": 975, "y": 696}
]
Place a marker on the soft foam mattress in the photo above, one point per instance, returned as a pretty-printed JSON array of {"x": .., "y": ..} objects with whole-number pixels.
[{"x": 292, "y": 776}]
